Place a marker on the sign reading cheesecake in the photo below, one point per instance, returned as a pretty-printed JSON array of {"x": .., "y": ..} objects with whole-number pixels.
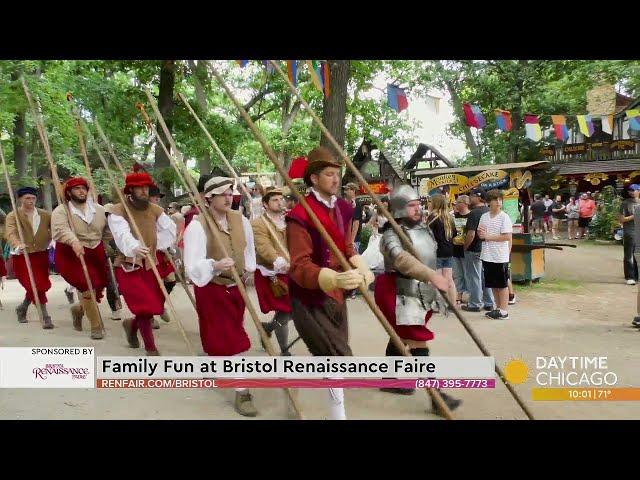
[{"x": 488, "y": 179}]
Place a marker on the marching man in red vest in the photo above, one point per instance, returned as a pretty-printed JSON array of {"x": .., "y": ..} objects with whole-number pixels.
[{"x": 318, "y": 281}]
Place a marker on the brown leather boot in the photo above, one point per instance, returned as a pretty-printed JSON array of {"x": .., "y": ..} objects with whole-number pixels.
[
  {"x": 244, "y": 404},
  {"x": 93, "y": 314},
  {"x": 132, "y": 337},
  {"x": 77, "y": 312}
]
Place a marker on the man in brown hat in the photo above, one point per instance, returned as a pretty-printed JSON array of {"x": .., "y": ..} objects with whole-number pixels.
[
  {"x": 36, "y": 227},
  {"x": 319, "y": 282},
  {"x": 85, "y": 239},
  {"x": 219, "y": 303},
  {"x": 134, "y": 274},
  {"x": 271, "y": 279}
]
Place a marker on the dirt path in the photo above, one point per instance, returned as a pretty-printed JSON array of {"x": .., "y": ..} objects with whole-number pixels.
[{"x": 588, "y": 315}]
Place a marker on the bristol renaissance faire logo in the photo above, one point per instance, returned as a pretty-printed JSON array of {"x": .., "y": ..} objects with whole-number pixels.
[{"x": 56, "y": 369}]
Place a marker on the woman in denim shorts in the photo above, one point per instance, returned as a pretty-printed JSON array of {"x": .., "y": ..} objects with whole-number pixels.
[{"x": 443, "y": 227}]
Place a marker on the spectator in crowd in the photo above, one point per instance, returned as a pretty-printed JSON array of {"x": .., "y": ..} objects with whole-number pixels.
[
  {"x": 586, "y": 211},
  {"x": 478, "y": 294},
  {"x": 461, "y": 212},
  {"x": 350, "y": 190},
  {"x": 572, "y": 218},
  {"x": 444, "y": 229},
  {"x": 538, "y": 210},
  {"x": 626, "y": 218},
  {"x": 557, "y": 214},
  {"x": 495, "y": 229},
  {"x": 547, "y": 213}
]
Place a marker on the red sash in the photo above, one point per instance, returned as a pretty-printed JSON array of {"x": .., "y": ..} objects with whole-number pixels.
[{"x": 322, "y": 212}]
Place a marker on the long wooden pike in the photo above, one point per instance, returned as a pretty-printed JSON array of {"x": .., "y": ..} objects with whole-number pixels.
[
  {"x": 441, "y": 407},
  {"x": 152, "y": 261},
  {"x": 37, "y": 117},
  {"x": 27, "y": 260},
  {"x": 83, "y": 148},
  {"x": 195, "y": 197},
  {"x": 232, "y": 170},
  {"x": 396, "y": 228}
]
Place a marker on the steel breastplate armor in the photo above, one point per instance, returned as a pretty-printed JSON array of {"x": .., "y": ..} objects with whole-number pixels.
[{"x": 413, "y": 297}]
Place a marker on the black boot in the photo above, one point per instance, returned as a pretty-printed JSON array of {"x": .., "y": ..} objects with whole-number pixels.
[
  {"x": 392, "y": 351},
  {"x": 268, "y": 328},
  {"x": 451, "y": 402}
]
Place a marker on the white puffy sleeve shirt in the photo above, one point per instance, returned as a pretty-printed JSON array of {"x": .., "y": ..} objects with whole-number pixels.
[
  {"x": 198, "y": 267},
  {"x": 126, "y": 243}
]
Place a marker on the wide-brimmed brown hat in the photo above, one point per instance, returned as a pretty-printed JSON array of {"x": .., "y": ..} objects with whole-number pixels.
[{"x": 319, "y": 158}]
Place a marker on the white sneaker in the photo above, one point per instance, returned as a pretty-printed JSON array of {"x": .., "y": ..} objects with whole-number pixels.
[
  {"x": 631, "y": 282},
  {"x": 512, "y": 301},
  {"x": 116, "y": 315}
]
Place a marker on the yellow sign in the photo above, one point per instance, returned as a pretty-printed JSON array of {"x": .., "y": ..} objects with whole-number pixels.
[
  {"x": 464, "y": 183},
  {"x": 428, "y": 184}
]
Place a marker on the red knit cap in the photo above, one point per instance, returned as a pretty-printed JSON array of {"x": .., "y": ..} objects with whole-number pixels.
[
  {"x": 139, "y": 178},
  {"x": 74, "y": 182}
]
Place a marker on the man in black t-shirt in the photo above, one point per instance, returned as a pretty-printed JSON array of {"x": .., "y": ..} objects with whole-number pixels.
[
  {"x": 627, "y": 209},
  {"x": 478, "y": 295},
  {"x": 538, "y": 211}
]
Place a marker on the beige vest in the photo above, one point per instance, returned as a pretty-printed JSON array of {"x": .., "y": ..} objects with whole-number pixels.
[
  {"x": 265, "y": 253},
  {"x": 40, "y": 241},
  {"x": 234, "y": 243},
  {"x": 146, "y": 221}
]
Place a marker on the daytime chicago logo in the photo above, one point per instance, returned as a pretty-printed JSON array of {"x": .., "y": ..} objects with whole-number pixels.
[
  {"x": 563, "y": 371},
  {"x": 42, "y": 373}
]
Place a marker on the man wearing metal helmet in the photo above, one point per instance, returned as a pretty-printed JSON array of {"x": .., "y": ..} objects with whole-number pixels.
[
  {"x": 36, "y": 227},
  {"x": 90, "y": 227},
  {"x": 409, "y": 285}
]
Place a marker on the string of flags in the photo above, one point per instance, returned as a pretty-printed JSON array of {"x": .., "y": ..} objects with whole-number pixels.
[
  {"x": 533, "y": 131},
  {"x": 318, "y": 70}
]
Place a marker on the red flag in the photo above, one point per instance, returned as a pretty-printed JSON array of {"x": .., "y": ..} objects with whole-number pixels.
[{"x": 469, "y": 116}]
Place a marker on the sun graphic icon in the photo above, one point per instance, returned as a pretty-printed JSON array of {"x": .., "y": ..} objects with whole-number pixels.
[{"x": 516, "y": 371}]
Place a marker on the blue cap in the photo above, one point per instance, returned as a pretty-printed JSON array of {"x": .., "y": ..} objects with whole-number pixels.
[{"x": 634, "y": 186}]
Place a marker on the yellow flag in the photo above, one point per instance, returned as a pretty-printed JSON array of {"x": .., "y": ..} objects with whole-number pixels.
[{"x": 314, "y": 76}]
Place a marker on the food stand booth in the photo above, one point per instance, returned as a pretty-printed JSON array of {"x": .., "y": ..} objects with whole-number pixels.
[{"x": 515, "y": 179}]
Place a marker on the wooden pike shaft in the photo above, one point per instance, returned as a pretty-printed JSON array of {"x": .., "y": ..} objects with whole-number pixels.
[
  {"x": 437, "y": 399},
  {"x": 232, "y": 170},
  {"x": 83, "y": 148},
  {"x": 37, "y": 116},
  {"x": 403, "y": 237},
  {"x": 152, "y": 261},
  {"x": 196, "y": 198}
]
